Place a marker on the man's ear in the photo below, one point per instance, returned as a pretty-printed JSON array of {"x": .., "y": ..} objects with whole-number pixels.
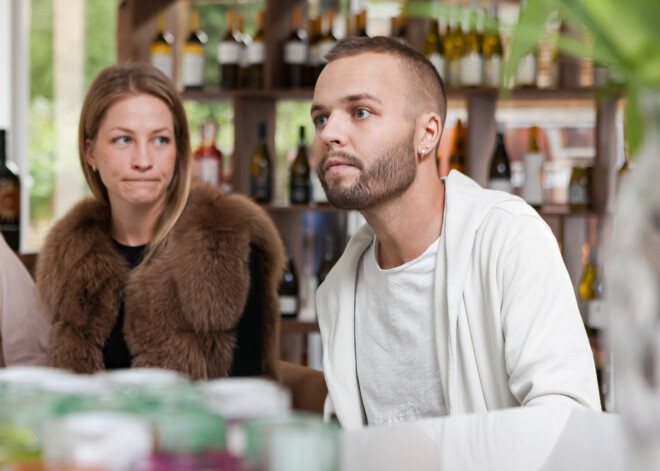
[{"x": 428, "y": 131}]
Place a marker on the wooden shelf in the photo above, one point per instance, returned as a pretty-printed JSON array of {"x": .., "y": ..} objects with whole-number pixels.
[
  {"x": 293, "y": 326},
  {"x": 297, "y": 208},
  {"x": 276, "y": 94},
  {"x": 565, "y": 210}
]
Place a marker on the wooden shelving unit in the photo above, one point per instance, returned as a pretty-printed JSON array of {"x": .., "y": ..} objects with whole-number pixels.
[{"x": 137, "y": 25}]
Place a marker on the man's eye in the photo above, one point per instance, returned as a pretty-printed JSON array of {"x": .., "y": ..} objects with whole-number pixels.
[
  {"x": 320, "y": 121},
  {"x": 361, "y": 113}
]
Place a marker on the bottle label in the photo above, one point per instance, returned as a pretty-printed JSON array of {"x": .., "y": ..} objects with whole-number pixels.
[
  {"x": 471, "y": 70},
  {"x": 288, "y": 305},
  {"x": 161, "y": 49},
  {"x": 260, "y": 188},
  {"x": 295, "y": 52},
  {"x": 532, "y": 190},
  {"x": 192, "y": 69},
  {"x": 317, "y": 190},
  {"x": 526, "y": 73},
  {"x": 10, "y": 203},
  {"x": 229, "y": 52},
  {"x": 578, "y": 194},
  {"x": 500, "y": 184},
  {"x": 299, "y": 191},
  {"x": 209, "y": 170},
  {"x": 454, "y": 73},
  {"x": 314, "y": 55},
  {"x": 324, "y": 48},
  {"x": 492, "y": 69},
  {"x": 164, "y": 63},
  {"x": 255, "y": 53},
  {"x": 596, "y": 314},
  {"x": 438, "y": 61}
]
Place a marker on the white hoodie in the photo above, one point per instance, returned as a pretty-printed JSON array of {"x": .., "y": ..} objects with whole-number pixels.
[{"x": 514, "y": 335}]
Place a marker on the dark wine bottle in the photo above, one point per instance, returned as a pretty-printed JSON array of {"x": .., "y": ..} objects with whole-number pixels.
[
  {"x": 499, "y": 177},
  {"x": 300, "y": 174},
  {"x": 229, "y": 55},
  {"x": 192, "y": 62},
  {"x": 261, "y": 170},
  {"x": 255, "y": 55},
  {"x": 328, "y": 258},
  {"x": 10, "y": 199},
  {"x": 327, "y": 42},
  {"x": 288, "y": 290},
  {"x": 295, "y": 53},
  {"x": 457, "y": 158}
]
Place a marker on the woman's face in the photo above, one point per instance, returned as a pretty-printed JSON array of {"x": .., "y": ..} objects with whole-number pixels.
[{"x": 135, "y": 153}]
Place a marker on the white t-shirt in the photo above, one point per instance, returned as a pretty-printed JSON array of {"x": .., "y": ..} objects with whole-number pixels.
[{"x": 396, "y": 345}]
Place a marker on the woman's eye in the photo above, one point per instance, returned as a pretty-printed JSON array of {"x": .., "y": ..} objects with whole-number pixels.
[
  {"x": 121, "y": 140},
  {"x": 161, "y": 140},
  {"x": 320, "y": 121},
  {"x": 361, "y": 113}
]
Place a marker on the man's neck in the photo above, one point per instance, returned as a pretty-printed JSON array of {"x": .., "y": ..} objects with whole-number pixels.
[{"x": 408, "y": 225}]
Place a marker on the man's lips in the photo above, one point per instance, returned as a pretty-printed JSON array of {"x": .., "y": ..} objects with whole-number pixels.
[{"x": 336, "y": 164}]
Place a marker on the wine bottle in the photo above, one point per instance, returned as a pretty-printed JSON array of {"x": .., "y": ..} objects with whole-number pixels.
[
  {"x": 328, "y": 258},
  {"x": 209, "y": 160},
  {"x": 244, "y": 41},
  {"x": 399, "y": 28},
  {"x": 229, "y": 54},
  {"x": 255, "y": 53},
  {"x": 295, "y": 53},
  {"x": 492, "y": 50},
  {"x": 361, "y": 24},
  {"x": 198, "y": 153},
  {"x": 192, "y": 62},
  {"x": 526, "y": 72},
  {"x": 261, "y": 170},
  {"x": 434, "y": 49},
  {"x": 314, "y": 56},
  {"x": 454, "y": 46},
  {"x": 328, "y": 41},
  {"x": 500, "y": 169},
  {"x": 299, "y": 175},
  {"x": 472, "y": 59},
  {"x": 162, "y": 56},
  {"x": 457, "y": 158},
  {"x": 532, "y": 190},
  {"x": 10, "y": 199},
  {"x": 288, "y": 289}
]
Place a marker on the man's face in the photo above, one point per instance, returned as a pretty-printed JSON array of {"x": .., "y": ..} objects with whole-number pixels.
[{"x": 364, "y": 141}]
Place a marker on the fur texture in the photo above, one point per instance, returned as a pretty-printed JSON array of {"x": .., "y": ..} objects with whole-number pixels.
[{"x": 181, "y": 309}]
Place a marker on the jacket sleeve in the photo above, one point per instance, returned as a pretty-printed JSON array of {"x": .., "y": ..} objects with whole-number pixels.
[
  {"x": 547, "y": 353},
  {"x": 24, "y": 328}
]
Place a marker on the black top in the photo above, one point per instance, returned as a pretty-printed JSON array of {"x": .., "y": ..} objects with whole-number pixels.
[
  {"x": 249, "y": 331},
  {"x": 115, "y": 351}
]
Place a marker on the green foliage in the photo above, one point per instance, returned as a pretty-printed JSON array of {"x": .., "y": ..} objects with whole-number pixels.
[
  {"x": 41, "y": 148},
  {"x": 41, "y": 49},
  {"x": 624, "y": 38},
  {"x": 100, "y": 37}
]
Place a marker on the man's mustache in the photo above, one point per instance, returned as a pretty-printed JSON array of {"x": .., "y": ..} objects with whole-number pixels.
[{"x": 350, "y": 159}]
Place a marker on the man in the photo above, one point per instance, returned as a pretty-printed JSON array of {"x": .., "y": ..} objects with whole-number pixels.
[
  {"x": 452, "y": 299},
  {"x": 24, "y": 328}
]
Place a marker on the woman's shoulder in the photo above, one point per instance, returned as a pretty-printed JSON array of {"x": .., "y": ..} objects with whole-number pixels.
[{"x": 228, "y": 210}]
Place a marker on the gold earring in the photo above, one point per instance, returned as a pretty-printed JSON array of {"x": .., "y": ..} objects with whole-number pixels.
[{"x": 93, "y": 168}]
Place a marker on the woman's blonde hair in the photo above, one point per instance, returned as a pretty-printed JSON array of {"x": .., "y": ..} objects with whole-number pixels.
[{"x": 116, "y": 83}]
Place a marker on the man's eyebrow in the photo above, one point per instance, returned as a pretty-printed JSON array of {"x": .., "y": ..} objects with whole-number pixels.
[{"x": 351, "y": 99}]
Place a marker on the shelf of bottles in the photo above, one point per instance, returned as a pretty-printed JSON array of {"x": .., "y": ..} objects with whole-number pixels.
[{"x": 253, "y": 59}]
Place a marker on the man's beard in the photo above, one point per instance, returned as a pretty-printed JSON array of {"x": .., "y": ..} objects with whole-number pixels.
[{"x": 388, "y": 176}]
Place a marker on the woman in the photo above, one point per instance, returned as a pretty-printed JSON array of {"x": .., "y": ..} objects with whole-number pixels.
[{"x": 149, "y": 272}]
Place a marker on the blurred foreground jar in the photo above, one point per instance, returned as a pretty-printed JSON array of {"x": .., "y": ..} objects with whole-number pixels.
[
  {"x": 240, "y": 399},
  {"x": 291, "y": 442},
  {"x": 102, "y": 441}
]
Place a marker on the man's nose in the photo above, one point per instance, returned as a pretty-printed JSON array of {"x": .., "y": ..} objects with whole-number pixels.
[{"x": 333, "y": 134}]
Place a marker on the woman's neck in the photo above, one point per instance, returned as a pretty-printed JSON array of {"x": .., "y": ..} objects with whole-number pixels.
[{"x": 132, "y": 225}]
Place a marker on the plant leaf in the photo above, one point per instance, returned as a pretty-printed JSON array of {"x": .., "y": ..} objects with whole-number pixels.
[{"x": 634, "y": 120}]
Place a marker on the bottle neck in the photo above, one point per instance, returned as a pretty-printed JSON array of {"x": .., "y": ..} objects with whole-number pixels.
[{"x": 3, "y": 149}]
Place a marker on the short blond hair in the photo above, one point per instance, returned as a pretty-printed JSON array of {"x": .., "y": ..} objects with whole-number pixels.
[{"x": 113, "y": 84}]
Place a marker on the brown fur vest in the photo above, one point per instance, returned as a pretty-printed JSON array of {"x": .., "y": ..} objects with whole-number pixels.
[{"x": 182, "y": 308}]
